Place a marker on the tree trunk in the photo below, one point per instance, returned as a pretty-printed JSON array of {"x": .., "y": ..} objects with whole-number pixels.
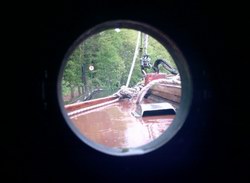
[
  {"x": 72, "y": 94},
  {"x": 82, "y": 90},
  {"x": 79, "y": 90}
]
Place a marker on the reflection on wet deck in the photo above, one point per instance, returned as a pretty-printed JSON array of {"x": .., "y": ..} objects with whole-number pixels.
[{"x": 115, "y": 126}]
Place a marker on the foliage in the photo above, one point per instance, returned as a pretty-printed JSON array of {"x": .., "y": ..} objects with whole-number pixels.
[{"x": 111, "y": 54}]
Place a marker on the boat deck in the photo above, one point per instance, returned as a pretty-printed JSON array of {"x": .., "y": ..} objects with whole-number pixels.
[{"x": 115, "y": 126}]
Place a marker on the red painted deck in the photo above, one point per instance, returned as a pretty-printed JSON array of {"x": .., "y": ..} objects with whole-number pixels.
[{"x": 115, "y": 126}]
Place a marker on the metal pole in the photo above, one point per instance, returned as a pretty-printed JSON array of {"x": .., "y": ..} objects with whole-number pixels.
[
  {"x": 133, "y": 62},
  {"x": 146, "y": 43}
]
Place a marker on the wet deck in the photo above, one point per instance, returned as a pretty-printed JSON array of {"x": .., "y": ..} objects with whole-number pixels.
[{"x": 115, "y": 126}]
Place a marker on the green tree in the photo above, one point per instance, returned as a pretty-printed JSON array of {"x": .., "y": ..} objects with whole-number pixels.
[{"x": 111, "y": 54}]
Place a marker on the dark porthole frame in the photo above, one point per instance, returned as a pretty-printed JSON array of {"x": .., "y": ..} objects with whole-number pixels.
[{"x": 186, "y": 87}]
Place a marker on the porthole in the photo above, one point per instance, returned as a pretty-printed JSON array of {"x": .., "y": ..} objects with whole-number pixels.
[{"x": 124, "y": 88}]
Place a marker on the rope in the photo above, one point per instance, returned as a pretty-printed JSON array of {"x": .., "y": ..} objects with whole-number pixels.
[
  {"x": 126, "y": 92},
  {"x": 133, "y": 62}
]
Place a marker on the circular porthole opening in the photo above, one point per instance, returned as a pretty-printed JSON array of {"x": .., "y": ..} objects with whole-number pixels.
[{"x": 124, "y": 88}]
